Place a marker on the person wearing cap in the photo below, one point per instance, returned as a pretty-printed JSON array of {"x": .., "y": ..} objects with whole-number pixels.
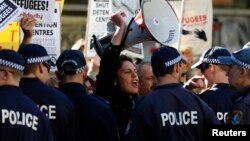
[
  {"x": 117, "y": 80},
  {"x": 218, "y": 96},
  {"x": 239, "y": 77},
  {"x": 170, "y": 112},
  {"x": 21, "y": 120},
  {"x": 94, "y": 118},
  {"x": 56, "y": 106}
]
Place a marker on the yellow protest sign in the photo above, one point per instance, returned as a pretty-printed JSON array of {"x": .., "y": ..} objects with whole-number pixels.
[
  {"x": 61, "y": 2},
  {"x": 9, "y": 37}
]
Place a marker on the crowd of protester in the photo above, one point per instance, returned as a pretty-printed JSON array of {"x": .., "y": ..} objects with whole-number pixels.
[{"x": 111, "y": 98}]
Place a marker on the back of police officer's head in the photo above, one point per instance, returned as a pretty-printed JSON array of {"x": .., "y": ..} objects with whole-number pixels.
[
  {"x": 34, "y": 56},
  {"x": 11, "y": 67},
  {"x": 71, "y": 64},
  {"x": 163, "y": 60}
]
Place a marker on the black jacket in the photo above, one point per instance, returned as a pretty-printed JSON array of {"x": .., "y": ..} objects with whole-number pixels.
[
  {"x": 94, "y": 118},
  {"x": 121, "y": 103},
  {"x": 21, "y": 120}
]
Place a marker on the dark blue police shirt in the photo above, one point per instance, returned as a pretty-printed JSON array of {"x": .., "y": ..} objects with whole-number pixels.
[
  {"x": 219, "y": 98},
  {"x": 240, "y": 114},
  {"x": 21, "y": 120},
  {"x": 171, "y": 113},
  {"x": 56, "y": 106},
  {"x": 94, "y": 118}
]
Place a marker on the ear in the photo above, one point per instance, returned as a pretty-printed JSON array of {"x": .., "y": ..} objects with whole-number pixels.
[
  {"x": 177, "y": 67},
  {"x": 40, "y": 65},
  {"x": 84, "y": 74},
  {"x": 212, "y": 67},
  {"x": 5, "y": 75}
]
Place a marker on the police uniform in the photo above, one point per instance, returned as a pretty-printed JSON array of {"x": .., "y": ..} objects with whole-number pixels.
[
  {"x": 240, "y": 114},
  {"x": 219, "y": 98},
  {"x": 94, "y": 118},
  {"x": 56, "y": 106},
  {"x": 241, "y": 109},
  {"x": 170, "y": 112},
  {"x": 21, "y": 120}
]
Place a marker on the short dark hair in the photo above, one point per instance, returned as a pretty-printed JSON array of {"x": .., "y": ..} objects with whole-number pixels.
[{"x": 163, "y": 70}]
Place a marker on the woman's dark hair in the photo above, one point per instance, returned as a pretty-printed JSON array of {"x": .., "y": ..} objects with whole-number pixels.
[{"x": 122, "y": 59}]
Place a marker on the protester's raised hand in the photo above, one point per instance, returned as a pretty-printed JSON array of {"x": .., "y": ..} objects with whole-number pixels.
[
  {"x": 118, "y": 20},
  {"x": 27, "y": 25},
  {"x": 195, "y": 82}
]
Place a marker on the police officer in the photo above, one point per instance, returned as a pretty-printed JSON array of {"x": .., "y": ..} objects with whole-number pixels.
[
  {"x": 170, "y": 112},
  {"x": 239, "y": 77},
  {"x": 94, "y": 117},
  {"x": 218, "y": 96},
  {"x": 56, "y": 106},
  {"x": 21, "y": 120}
]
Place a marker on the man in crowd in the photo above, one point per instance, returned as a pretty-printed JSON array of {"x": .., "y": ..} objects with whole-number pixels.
[
  {"x": 147, "y": 80},
  {"x": 170, "y": 112},
  {"x": 218, "y": 96},
  {"x": 239, "y": 77},
  {"x": 94, "y": 117}
]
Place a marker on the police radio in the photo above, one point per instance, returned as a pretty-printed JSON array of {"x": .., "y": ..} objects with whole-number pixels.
[{"x": 149, "y": 24}]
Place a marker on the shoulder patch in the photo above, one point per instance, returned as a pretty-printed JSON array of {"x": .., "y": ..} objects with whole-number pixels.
[{"x": 236, "y": 117}]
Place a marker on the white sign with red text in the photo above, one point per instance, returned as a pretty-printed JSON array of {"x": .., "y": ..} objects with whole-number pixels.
[
  {"x": 197, "y": 23},
  {"x": 40, "y": 9}
]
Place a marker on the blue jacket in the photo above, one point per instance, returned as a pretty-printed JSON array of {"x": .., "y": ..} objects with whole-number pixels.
[
  {"x": 94, "y": 118},
  {"x": 240, "y": 114},
  {"x": 171, "y": 113},
  {"x": 21, "y": 120},
  {"x": 56, "y": 106},
  {"x": 219, "y": 98}
]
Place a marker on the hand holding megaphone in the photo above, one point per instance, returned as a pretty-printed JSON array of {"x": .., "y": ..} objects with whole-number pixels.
[
  {"x": 118, "y": 20},
  {"x": 148, "y": 25}
]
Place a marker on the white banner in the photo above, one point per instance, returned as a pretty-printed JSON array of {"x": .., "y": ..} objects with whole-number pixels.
[
  {"x": 8, "y": 12},
  {"x": 98, "y": 15},
  {"x": 49, "y": 35},
  {"x": 40, "y": 9},
  {"x": 196, "y": 24}
]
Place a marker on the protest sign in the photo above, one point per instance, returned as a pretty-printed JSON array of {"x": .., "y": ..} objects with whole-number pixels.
[
  {"x": 8, "y": 12},
  {"x": 99, "y": 24},
  {"x": 61, "y": 2},
  {"x": 49, "y": 35},
  {"x": 9, "y": 37},
  {"x": 39, "y": 9},
  {"x": 98, "y": 16},
  {"x": 197, "y": 22}
]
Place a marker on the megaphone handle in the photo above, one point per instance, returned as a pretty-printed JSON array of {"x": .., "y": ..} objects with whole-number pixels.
[{"x": 97, "y": 46}]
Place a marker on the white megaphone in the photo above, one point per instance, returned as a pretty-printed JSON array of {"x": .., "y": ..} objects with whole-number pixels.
[{"x": 159, "y": 25}]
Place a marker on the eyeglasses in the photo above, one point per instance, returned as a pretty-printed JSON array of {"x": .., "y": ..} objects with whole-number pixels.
[
  {"x": 203, "y": 67},
  {"x": 47, "y": 65}
]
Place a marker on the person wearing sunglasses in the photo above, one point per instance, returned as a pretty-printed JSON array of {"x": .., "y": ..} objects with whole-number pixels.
[{"x": 218, "y": 96}]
